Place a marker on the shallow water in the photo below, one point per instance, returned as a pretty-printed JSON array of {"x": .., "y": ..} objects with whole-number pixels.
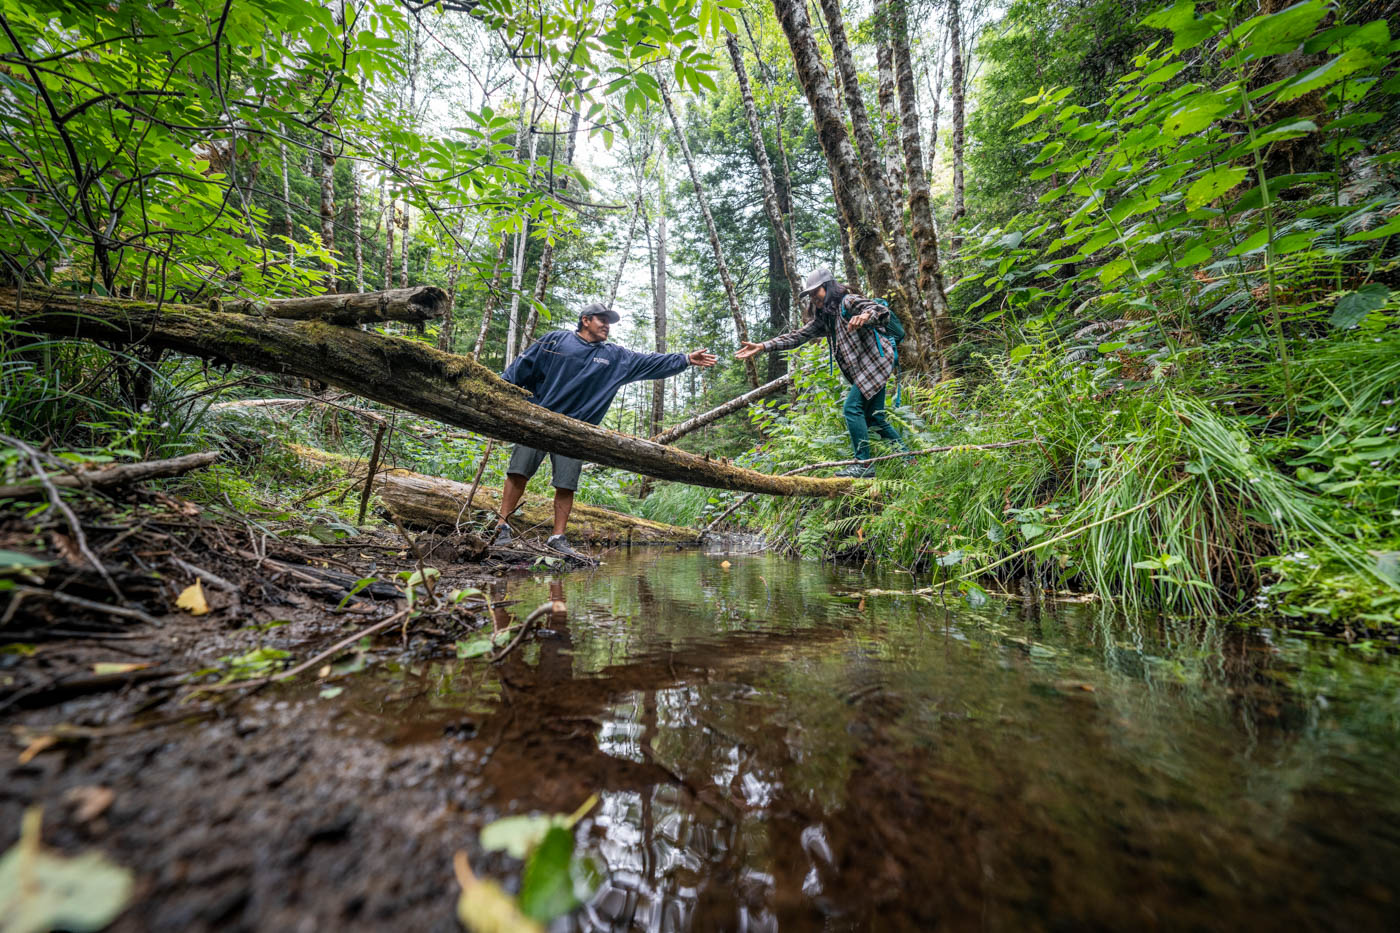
[{"x": 785, "y": 745}]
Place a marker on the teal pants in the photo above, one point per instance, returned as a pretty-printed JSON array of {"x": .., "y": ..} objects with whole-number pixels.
[{"x": 862, "y": 414}]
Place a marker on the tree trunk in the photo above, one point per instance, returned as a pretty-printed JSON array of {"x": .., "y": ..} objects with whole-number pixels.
[
  {"x": 449, "y": 320},
  {"x": 626, "y": 248},
  {"x": 845, "y": 173},
  {"x": 779, "y": 305},
  {"x": 525, "y": 145},
  {"x": 489, "y": 305},
  {"x": 547, "y": 255},
  {"x": 738, "y": 403},
  {"x": 920, "y": 211},
  {"x": 776, "y": 211},
  {"x": 403, "y": 245},
  {"x": 956, "y": 79},
  {"x": 287, "y": 224},
  {"x": 356, "y": 230},
  {"x": 848, "y": 260},
  {"x": 328, "y": 205},
  {"x": 395, "y": 371},
  {"x": 390, "y": 219},
  {"x": 936, "y": 91},
  {"x": 409, "y": 305},
  {"x": 889, "y": 120},
  {"x": 741, "y": 328},
  {"x": 658, "y": 386},
  {"x": 117, "y": 474},
  {"x": 871, "y": 165}
]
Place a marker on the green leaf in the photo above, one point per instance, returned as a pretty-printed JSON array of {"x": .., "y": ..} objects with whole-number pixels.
[
  {"x": 12, "y": 561},
  {"x": 1021, "y": 352},
  {"x": 474, "y": 648},
  {"x": 1275, "y": 33},
  {"x": 1197, "y": 114},
  {"x": 360, "y": 584},
  {"x": 976, "y": 596},
  {"x": 517, "y": 835},
  {"x": 1174, "y": 17},
  {"x": 1385, "y": 230},
  {"x": 1353, "y": 307},
  {"x": 1213, "y": 184},
  {"x": 547, "y": 885},
  {"x": 40, "y": 891},
  {"x": 1349, "y": 62}
]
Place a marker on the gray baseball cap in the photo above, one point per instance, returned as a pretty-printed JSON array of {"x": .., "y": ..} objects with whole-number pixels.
[
  {"x": 598, "y": 309},
  {"x": 815, "y": 281}
]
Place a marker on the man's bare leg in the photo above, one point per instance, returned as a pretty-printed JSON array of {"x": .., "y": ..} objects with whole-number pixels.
[
  {"x": 511, "y": 494},
  {"x": 563, "y": 505}
]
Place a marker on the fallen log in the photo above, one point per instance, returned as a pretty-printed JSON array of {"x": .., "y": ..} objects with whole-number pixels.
[
  {"x": 402, "y": 373},
  {"x": 676, "y": 432},
  {"x": 408, "y": 305},
  {"x": 434, "y": 503},
  {"x": 117, "y": 474}
]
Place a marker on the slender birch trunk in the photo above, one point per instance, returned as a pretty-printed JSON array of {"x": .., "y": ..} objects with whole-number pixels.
[
  {"x": 390, "y": 221},
  {"x": 956, "y": 79},
  {"x": 626, "y": 248},
  {"x": 526, "y": 147},
  {"x": 771, "y": 204},
  {"x": 658, "y": 386},
  {"x": 286, "y": 200},
  {"x": 356, "y": 230},
  {"x": 547, "y": 256},
  {"x": 936, "y": 92},
  {"x": 920, "y": 212},
  {"x": 489, "y": 304},
  {"x": 871, "y": 165},
  {"x": 328, "y": 203},
  {"x": 449, "y": 318},
  {"x": 403, "y": 246},
  {"x": 741, "y": 329},
  {"x": 865, "y": 238}
]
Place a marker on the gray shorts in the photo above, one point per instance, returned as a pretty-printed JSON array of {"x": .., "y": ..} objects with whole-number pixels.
[{"x": 524, "y": 461}]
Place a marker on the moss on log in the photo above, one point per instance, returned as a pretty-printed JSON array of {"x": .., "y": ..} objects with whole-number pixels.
[
  {"x": 408, "y": 305},
  {"x": 435, "y": 503},
  {"x": 402, "y": 373}
]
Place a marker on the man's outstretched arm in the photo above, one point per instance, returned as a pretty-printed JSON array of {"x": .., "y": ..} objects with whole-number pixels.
[{"x": 661, "y": 365}]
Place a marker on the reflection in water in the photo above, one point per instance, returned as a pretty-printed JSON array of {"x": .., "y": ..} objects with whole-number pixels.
[{"x": 786, "y": 745}]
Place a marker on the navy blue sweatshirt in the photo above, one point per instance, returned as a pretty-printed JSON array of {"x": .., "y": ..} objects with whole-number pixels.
[{"x": 573, "y": 377}]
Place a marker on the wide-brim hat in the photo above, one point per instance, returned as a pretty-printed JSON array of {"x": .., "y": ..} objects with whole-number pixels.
[
  {"x": 815, "y": 281},
  {"x": 598, "y": 309}
]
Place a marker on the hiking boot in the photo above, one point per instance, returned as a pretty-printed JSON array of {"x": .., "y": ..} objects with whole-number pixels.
[
  {"x": 865, "y": 470},
  {"x": 504, "y": 534},
  {"x": 560, "y": 545}
]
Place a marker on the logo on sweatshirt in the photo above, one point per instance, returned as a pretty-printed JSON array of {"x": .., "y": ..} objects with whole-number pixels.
[{"x": 602, "y": 362}]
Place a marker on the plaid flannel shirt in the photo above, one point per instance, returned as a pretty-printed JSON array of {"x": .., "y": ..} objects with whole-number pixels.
[{"x": 857, "y": 352}]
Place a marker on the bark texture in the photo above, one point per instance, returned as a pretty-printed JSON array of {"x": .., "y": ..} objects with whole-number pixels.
[
  {"x": 920, "y": 212},
  {"x": 401, "y": 373},
  {"x": 447, "y": 334},
  {"x": 956, "y": 80},
  {"x": 771, "y": 205},
  {"x": 846, "y": 181},
  {"x": 872, "y": 166},
  {"x": 489, "y": 305},
  {"x": 356, "y": 231},
  {"x": 409, "y": 305},
  {"x": 740, "y": 327},
  {"x": 328, "y": 205}
]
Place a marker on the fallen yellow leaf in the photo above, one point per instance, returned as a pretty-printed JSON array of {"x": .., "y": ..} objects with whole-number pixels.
[
  {"x": 724, "y": 565},
  {"x": 483, "y": 907},
  {"x": 118, "y": 667},
  {"x": 192, "y": 600},
  {"x": 37, "y": 746}
]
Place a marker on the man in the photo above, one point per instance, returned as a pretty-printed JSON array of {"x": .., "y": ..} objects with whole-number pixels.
[
  {"x": 862, "y": 334},
  {"x": 576, "y": 373}
]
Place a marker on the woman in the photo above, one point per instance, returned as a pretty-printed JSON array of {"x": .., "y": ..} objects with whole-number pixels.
[{"x": 852, "y": 324}]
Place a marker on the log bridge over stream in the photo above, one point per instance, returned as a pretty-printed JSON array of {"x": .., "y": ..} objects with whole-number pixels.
[{"x": 319, "y": 338}]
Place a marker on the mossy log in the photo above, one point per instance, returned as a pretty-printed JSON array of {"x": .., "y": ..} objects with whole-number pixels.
[
  {"x": 116, "y": 474},
  {"x": 407, "y": 305},
  {"x": 395, "y": 371},
  {"x": 438, "y": 504}
]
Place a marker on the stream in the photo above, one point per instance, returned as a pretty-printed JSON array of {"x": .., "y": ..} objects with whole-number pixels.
[{"x": 787, "y": 745}]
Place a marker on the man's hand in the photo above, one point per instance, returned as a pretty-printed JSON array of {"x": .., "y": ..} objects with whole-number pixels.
[
  {"x": 860, "y": 320},
  {"x": 748, "y": 350},
  {"x": 702, "y": 358}
]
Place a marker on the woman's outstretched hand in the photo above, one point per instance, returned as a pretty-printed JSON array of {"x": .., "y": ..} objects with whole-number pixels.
[
  {"x": 702, "y": 358},
  {"x": 748, "y": 350}
]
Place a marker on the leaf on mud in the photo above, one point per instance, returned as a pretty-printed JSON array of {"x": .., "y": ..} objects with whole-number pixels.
[
  {"x": 12, "y": 561},
  {"x": 547, "y": 885},
  {"x": 330, "y": 693},
  {"x": 34, "y": 748},
  {"x": 484, "y": 908},
  {"x": 40, "y": 891},
  {"x": 119, "y": 667},
  {"x": 192, "y": 600}
]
